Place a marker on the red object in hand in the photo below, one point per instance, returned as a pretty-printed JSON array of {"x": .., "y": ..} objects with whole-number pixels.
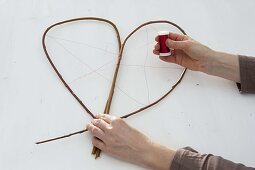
[{"x": 164, "y": 50}]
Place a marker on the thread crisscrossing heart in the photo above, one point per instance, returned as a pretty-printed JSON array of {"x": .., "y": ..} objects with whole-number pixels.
[{"x": 121, "y": 47}]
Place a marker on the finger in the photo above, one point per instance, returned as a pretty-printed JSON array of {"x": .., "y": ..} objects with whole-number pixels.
[
  {"x": 171, "y": 59},
  {"x": 157, "y": 46},
  {"x": 100, "y": 123},
  {"x": 172, "y": 52},
  {"x": 98, "y": 143},
  {"x": 157, "y": 38},
  {"x": 180, "y": 45},
  {"x": 97, "y": 132},
  {"x": 106, "y": 117},
  {"x": 177, "y": 37},
  {"x": 156, "y": 52}
]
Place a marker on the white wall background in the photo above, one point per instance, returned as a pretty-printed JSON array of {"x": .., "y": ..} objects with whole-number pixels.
[{"x": 212, "y": 117}]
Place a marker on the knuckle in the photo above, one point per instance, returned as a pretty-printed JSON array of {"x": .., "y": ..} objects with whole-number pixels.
[
  {"x": 95, "y": 130},
  {"x": 96, "y": 121},
  {"x": 102, "y": 116},
  {"x": 117, "y": 121},
  {"x": 100, "y": 121}
]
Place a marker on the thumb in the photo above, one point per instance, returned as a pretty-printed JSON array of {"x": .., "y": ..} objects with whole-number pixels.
[{"x": 179, "y": 45}]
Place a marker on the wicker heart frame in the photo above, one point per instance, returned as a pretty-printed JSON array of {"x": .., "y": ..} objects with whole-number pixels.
[{"x": 121, "y": 47}]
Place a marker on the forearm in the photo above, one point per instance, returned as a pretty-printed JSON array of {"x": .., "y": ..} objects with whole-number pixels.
[{"x": 223, "y": 65}]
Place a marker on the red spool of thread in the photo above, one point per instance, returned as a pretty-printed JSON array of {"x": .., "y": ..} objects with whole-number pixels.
[{"x": 164, "y": 50}]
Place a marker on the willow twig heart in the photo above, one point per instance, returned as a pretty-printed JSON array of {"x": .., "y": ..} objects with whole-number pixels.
[{"x": 111, "y": 93}]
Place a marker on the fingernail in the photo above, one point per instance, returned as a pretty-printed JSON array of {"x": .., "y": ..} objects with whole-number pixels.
[{"x": 93, "y": 121}]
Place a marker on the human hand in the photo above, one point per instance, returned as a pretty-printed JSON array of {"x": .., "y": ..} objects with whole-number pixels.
[
  {"x": 198, "y": 57},
  {"x": 186, "y": 52},
  {"x": 115, "y": 137}
]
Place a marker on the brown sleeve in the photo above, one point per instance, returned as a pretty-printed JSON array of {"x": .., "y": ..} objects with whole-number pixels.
[
  {"x": 189, "y": 159},
  {"x": 247, "y": 74}
]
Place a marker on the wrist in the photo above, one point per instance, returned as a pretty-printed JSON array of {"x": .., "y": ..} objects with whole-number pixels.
[
  {"x": 158, "y": 157},
  {"x": 222, "y": 65}
]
